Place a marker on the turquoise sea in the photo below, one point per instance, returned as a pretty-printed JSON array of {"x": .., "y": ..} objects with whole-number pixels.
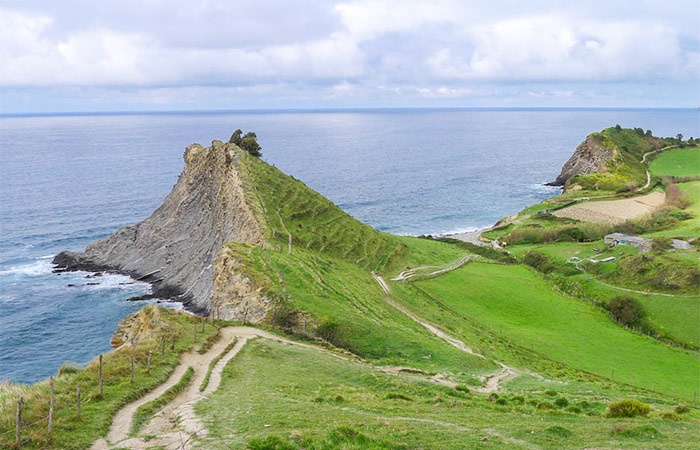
[{"x": 67, "y": 180}]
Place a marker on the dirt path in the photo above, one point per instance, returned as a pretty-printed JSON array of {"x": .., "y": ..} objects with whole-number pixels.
[
  {"x": 411, "y": 273},
  {"x": 176, "y": 424},
  {"x": 492, "y": 382}
]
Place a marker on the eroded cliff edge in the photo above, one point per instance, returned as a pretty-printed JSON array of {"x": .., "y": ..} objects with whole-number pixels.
[
  {"x": 175, "y": 247},
  {"x": 590, "y": 156}
]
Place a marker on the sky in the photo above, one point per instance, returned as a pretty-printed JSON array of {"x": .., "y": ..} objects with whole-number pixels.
[{"x": 151, "y": 55}]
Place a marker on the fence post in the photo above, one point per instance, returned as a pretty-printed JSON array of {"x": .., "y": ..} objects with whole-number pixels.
[
  {"x": 162, "y": 349},
  {"x": 132, "y": 368},
  {"x": 148, "y": 368},
  {"x": 613, "y": 375},
  {"x": 195, "y": 331},
  {"x": 51, "y": 408},
  {"x": 80, "y": 416},
  {"x": 102, "y": 393},
  {"x": 172, "y": 345},
  {"x": 19, "y": 421}
]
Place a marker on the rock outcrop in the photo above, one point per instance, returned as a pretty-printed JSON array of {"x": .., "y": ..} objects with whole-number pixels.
[
  {"x": 590, "y": 156},
  {"x": 174, "y": 249}
]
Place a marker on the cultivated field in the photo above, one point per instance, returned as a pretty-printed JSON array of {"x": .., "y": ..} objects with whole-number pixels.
[{"x": 615, "y": 211}]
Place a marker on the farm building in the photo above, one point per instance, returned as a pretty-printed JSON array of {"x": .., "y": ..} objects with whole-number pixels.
[{"x": 643, "y": 244}]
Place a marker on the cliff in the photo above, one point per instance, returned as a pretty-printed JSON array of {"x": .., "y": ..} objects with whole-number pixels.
[
  {"x": 174, "y": 249},
  {"x": 590, "y": 156}
]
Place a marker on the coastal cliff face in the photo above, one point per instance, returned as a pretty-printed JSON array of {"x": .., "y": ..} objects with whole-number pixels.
[
  {"x": 590, "y": 156},
  {"x": 174, "y": 249}
]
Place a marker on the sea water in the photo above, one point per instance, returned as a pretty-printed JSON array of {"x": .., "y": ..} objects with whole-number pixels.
[{"x": 66, "y": 181}]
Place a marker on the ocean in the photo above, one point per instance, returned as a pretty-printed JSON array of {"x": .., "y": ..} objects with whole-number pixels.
[{"x": 68, "y": 180}]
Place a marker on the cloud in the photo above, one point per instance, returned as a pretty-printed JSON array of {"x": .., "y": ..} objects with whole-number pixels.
[{"x": 442, "y": 49}]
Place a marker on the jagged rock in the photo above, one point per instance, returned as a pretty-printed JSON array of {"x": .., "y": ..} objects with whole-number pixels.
[
  {"x": 590, "y": 156},
  {"x": 174, "y": 248}
]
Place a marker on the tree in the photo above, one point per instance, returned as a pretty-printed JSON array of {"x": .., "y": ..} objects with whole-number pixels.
[
  {"x": 649, "y": 133},
  {"x": 236, "y": 137},
  {"x": 679, "y": 136},
  {"x": 618, "y": 127},
  {"x": 250, "y": 144}
]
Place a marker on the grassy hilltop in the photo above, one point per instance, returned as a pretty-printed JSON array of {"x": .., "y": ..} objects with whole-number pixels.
[{"x": 462, "y": 347}]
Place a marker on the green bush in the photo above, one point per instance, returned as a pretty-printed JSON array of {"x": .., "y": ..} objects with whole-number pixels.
[
  {"x": 545, "y": 405},
  {"x": 625, "y": 309},
  {"x": 643, "y": 433},
  {"x": 671, "y": 416},
  {"x": 397, "y": 396},
  {"x": 628, "y": 408},
  {"x": 561, "y": 402},
  {"x": 462, "y": 388},
  {"x": 682, "y": 409},
  {"x": 551, "y": 393},
  {"x": 574, "y": 409},
  {"x": 501, "y": 401},
  {"x": 493, "y": 397},
  {"x": 538, "y": 262},
  {"x": 328, "y": 331},
  {"x": 66, "y": 369}
]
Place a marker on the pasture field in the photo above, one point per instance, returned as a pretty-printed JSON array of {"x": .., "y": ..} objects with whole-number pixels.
[{"x": 682, "y": 162}]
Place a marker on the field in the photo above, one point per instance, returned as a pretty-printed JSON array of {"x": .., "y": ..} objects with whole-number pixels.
[
  {"x": 683, "y": 162},
  {"x": 615, "y": 211},
  {"x": 351, "y": 406},
  {"x": 528, "y": 311}
]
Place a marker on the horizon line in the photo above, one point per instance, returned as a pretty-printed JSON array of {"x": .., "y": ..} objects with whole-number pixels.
[{"x": 331, "y": 110}]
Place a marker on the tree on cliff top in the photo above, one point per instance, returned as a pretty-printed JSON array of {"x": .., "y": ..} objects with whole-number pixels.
[{"x": 248, "y": 142}]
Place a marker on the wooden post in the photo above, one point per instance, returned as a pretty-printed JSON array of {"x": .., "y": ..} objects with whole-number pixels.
[
  {"x": 195, "y": 331},
  {"x": 132, "y": 368},
  {"x": 19, "y": 421},
  {"x": 162, "y": 349},
  {"x": 172, "y": 345},
  {"x": 80, "y": 416},
  {"x": 148, "y": 364},
  {"x": 102, "y": 393},
  {"x": 51, "y": 408},
  {"x": 204, "y": 322}
]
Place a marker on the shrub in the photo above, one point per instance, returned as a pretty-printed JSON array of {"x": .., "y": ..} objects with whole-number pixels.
[
  {"x": 642, "y": 433},
  {"x": 462, "y": 388},
  {"x": 493, "y": 397},
  {"x": 561, "y": 402},
  {"x": 501, "y": 401},
  {"x": 519, "y": 399},
  {"x": 347, "y": 434},
  {"x": 628, "y": 408},
  {"x": 545, "y": 405},
  {"x": 671, "y": 416},
  {"x": 625, "y": 309},
  {"x": 682, "y": 409},
  {"x": 538, "y": 262},
  {"x": 328, "y": 331},
  {"x": 551, "y": 393},
  {"x": 397, "y": 396},
  {"x": 574, "y": 409}
]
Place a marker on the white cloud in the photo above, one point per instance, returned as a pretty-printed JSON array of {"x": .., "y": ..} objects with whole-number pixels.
[{"x": 430, "y": 50}]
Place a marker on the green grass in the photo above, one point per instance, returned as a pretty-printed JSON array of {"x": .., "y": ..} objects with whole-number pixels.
[
  {"x": 687, "y": 228},
  {"x": 97, "y": 413},
  {"x": 205, "y": 381},
  {"x": 312, "y": 400},
  {"x": 682, "y": 162},
  {"x": 146, "y": 411},
  {"x": 527, "y": 310}
]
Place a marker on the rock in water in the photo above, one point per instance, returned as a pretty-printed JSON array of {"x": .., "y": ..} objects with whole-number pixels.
[
  {"x": 590, "y": 156},
  {"x": 174, "y": 248}
]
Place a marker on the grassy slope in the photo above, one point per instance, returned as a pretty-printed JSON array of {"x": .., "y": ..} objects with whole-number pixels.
[
  {"x": 683, "y": 162},
  {"x": 273, "y": 397},
  {"x": 687, "y": 228},
  {"x": 71, "y": 433},
  {"x": 513, "y": 299}
]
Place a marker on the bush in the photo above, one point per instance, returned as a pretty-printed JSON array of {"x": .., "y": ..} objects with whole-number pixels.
[
  {"x": 462, "y": 388},
  {"x": 671, "y": 416},
  {"x": 561, "y": 402},
  {"x": 538, "y": 262},
  {"x": 625, "y": 309},
  {"x": 397, "y": 396},
  {"x": 493, "y": 397},
  {"x": 328, "y": 331},
  {"x": 67, "y": 369},
  {"x": 519, "y": 399},
  {"x": 574, "y": 409},
  {"x": 545, "y": 405},
  {"x": 682, "y": 409},
  {"x": 551, "y": 393},
  {"x": 628, "y": 408},
  {"x": 501, "y": 401}
]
